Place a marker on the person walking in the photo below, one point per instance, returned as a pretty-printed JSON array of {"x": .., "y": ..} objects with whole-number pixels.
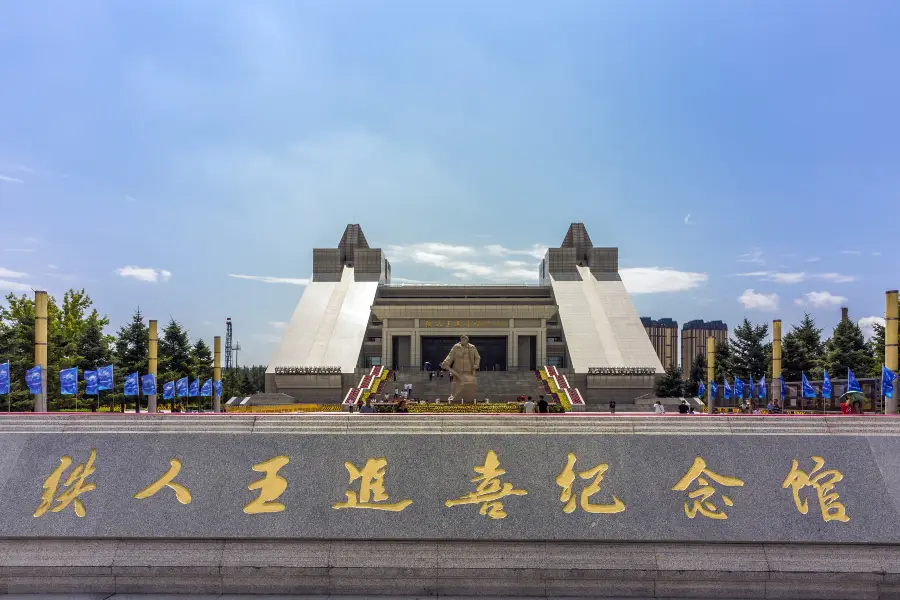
[
  {"x": 658, "y": 408},
  {"x": 543, "y": 407},
  {"x": 612, "y": 406},
  {"x": 528, "y": 406}
]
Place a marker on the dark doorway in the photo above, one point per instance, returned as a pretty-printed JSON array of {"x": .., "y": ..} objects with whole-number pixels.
[
  {"x": 492, "y": 350},
  {"x": 400, "y": 352}
]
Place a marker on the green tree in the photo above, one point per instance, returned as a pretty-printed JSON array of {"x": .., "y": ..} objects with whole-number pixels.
[
  {"x": 174, "y": 353},
  {"x": 698, "y": 374},
  {"x": 750, "y": 357},
  {"x": 876, "y": 350},
  {"x": 17, "y": 346},
  {"x": 847, "y": 349},
  {"x": 94, "y": 347},
  {"x": 723, "y": 361},
  {"x": 802, "y": 350},
  {"x": 670, "y": 385},
  {"x": 201, "y": 361},
  {"x": 132, "y": 346}
]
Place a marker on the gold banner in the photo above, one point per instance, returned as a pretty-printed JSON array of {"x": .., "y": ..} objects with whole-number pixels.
[{"x": 465, "y": 323}]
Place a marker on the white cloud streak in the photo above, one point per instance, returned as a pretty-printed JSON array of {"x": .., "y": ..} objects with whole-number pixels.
[
  {"x": 8, "y": 179},
  {"x": 278, "y": 324},
  {"x": 754, "y": 257},
  {"x": 753, "y": 300},
  {"x": 148, "y": 274},
  {"x": 687, "y": 220},
  {"x": 793, "y": 278},
  {"x": 266, "y": 279},
  {"x": 867, "y": 324},
  {"x": 654, "y": 280},
  {"x": 820, "y": 300},
  {"x": 14, "y": 286},
  {"x": 851, "y": 252},
  {"x": 9, "y": 273}
]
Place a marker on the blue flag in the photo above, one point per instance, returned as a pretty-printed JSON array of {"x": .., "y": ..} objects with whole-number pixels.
[
  {"x": 33, "y": 379},
  {"x": 887, "y": 382},
  {"x": 808, "y": 390},
  {"x": 852, "y": 383},
  {"x": 168, "y": 390},
  {"x": 90, "y": 383},
  {"x": 194, "y": 390},
  {"x": 217, "y": 386},
  {"x": 713, "y": 389},
  {"x": 727, "y": 390},
  {"x": 148, "y": 384},
  {"x": 762, "y": 388},
  {"x": 752, "y": 388},
  {"x": 700, "y": 390},
  {"x": 105, "y": 377},
  {"x": 131, "y": 385},
  {"x": 826, "y": 385},
  {"x": 68, "y": 382},
  {"x": 738, "y": 388},
  {"x": 206, "y": 388},
  {"x": 4, "y": 378},
  {"x": 181, "y": 387},
  {"x": 783, "y": 389}
]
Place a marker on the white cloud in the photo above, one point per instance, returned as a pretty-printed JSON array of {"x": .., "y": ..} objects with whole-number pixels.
[
  {"x": 14, "y": 286},
  {"x": 753, "y": 300},
  {"x": 813, "y": 259},
  {"x": 147, "y": 274},
  {"x": 687, "y": 220},
  {"x": 11, "y": 274},
  {"x": 876, "y": 254},
  {"x": 130, "y": 198},
  {"x": 835, "y": 277},
  {"x": 266, "y": 279},
  {"x": 53, "y": 267},
  {"x": 18, "y": 249},
  {"x": 851, "y": 252},
  {"x": 754, "y": 257},
  {"x": 278, "y": 324},
  {"x": 651, "y": 280},
  {"x": 820, "y": 299},
  {"x": 471, "y": 262},
  {"x": 867, "y": 324},
  {"x": 9, "y": 179},
  {"x": 793, "y": 278}
]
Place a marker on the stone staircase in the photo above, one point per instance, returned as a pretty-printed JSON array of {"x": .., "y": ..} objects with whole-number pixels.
[{"x": 499, "y": 386}]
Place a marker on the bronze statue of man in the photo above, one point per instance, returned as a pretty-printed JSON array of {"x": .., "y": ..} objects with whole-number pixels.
[{"x": 462, "y": 361}]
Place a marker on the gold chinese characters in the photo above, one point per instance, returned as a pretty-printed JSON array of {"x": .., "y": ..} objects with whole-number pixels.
[
  {"x": 823, "y": 482},
  {"x": 706, "y": 490},
  {"x": 182, "y": 494},
  {"x": 702, "y": 495},
  {"x": 566, "y": 479},
  {"x": 270, "y": 487},
  {"x": 489, "y": 490},
  {"x": 75, "y": 483},
  {"x": 454, "y": 323},
  {"x": 371, "y": 487}
]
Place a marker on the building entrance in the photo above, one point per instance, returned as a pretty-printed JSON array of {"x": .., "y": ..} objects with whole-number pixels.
[{"x": 492, "y": 350}]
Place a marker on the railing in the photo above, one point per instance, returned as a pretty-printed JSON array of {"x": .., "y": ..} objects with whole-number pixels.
[
  {"x": 559, "y": 386},
  {"x": 368, "y": 384}
]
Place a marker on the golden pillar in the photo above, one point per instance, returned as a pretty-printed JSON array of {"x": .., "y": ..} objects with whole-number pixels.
[
  {"x": 41, "y": 304},
  {"x": 776, "y": 359},
  {"x": 890, "y": 345},
  {"x": 153, "y": 362},
  {"x": 217, "y": 372},
  {"x": 710, "y": 374}
]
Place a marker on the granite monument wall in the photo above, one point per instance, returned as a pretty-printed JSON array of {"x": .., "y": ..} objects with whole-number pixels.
[{"x": 553, "y": 491}]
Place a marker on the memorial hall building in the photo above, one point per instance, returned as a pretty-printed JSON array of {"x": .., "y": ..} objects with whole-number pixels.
[{"x": 578, "y": 318}]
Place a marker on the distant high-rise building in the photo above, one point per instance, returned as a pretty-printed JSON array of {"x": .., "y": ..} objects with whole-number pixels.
[
  {"x": 664, "y": 337},
  {"x": 693, "y": 339}
]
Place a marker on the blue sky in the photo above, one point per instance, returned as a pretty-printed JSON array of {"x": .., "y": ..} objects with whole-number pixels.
[{"x": 742, "y": 155}]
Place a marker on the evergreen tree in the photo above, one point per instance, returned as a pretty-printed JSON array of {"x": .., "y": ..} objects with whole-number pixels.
[
  {"x": 749, "y": 356},
  {"x": 698, "y": 374},
  {"x": 132, "y": 346},
  {"x": 94, "y": 347},
  {"x": 670, "y": 385},
  {"x": 802, "y": 350},
  {"x": 174, "y": 352},
  {"x": 723, "y": 361},
  {"x": 201, "y": 361},
  {"x": 876, "y": 350},
  {"x": 17, "y": 346},
  {"x": 847, "y": 349}
]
